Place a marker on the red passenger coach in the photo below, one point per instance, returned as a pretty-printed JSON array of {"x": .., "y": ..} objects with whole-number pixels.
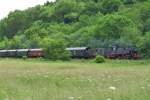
[{"x": 35, "y": 53}]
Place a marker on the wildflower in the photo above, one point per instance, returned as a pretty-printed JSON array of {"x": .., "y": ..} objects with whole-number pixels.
[
  {"x": 70, "y": 98},
  {"x": 148, "y": 85},
  {"x": 46, "y": 76},
  {"x": 39, "y": 74},
  {"x": 108, "y": 99},
  {"x": 6, "y": 99},
  {"x": 79, "y": 98},
  {"x": 48, "y": 73},
  {"x": 143, "y": 87},
  {"x": 89, "y": 80},
  {"x": 29, "y": 98},
  {"x": 112, "y": 88},
  {"x": 67, "y": 78},
  {"x": 108, "y": 76}
]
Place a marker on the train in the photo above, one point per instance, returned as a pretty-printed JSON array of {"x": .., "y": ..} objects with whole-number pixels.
[
  {"x": 78, "y": 52},
  {"x": 31, "y": 53}
]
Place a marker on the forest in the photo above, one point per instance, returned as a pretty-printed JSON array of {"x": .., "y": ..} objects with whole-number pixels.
[{"x": 73, "y": 23}]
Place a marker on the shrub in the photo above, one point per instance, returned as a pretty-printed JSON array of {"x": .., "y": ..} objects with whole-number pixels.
[
  {"x": 99, "y": 59},
  {"x": 55, "y": 50}
]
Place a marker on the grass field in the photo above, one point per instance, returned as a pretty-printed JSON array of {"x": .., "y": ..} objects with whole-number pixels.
[{"x": 74, "y": 80}]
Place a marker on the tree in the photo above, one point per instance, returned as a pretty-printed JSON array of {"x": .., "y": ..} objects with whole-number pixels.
[
  {"x": 128, "y": 1},
  {"x": 146, "y": 26},
  {"x": 2, "y": 45},
  {"x": 95, "y": 23},
  {"x": 90, "y": 8},
  {"x": 64, "y": 7},
  {"x": 145, "y": 12},
  {"x": 71, "y": 17},
  {"x": 54, "y": 50},
  {"x": 113, "y": 27},
  {"x": 141, "y": 0},
  {"x": 10, "y": 26},
  {"x": 144, "y": 45},
  {"x": 109, "y": 6},
  {"x": 38, "y": 29},
  {"x": 16, "y": 43}
]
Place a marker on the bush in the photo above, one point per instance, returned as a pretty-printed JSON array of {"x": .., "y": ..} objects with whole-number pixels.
[
  {"x": 99, "y": 59},
  {"x": 55, "y": 50}
]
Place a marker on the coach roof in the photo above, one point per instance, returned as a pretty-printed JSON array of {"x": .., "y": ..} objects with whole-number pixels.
[
  {"x": 77, "y": 48},
  {"x": 36, "y": 49}
]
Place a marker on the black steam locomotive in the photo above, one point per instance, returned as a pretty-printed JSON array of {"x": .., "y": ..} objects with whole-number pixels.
[
  {"x": 119, "y": 53},
  {"x": 111, "y": 53}
]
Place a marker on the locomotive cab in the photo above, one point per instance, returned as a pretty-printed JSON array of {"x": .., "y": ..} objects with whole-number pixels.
[{"x": 134, "y": 54}]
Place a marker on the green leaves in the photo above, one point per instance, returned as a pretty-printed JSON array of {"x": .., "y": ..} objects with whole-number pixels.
[
  {"x": 54, "y": 50},
  {"x": 109, "y": 6},
  {"x": 95, "y": 23},
  {"x": 112, "y": 26},
  {"x": 144, "y": 45}
]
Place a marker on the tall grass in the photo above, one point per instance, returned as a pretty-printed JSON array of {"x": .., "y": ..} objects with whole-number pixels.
[{"x": 74, "y": 80}]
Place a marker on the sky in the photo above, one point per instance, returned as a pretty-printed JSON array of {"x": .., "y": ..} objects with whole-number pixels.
[{"x": 10, "y": 5}]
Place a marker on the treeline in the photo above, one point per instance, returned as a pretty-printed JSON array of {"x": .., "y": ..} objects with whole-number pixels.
[{"x": 67, "y": 23}]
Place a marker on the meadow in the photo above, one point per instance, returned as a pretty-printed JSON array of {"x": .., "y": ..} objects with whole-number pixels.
[{"x": 74, "y": 80}]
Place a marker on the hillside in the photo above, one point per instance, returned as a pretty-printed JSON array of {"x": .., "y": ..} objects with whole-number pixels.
[{"x": 95, "y": 23}]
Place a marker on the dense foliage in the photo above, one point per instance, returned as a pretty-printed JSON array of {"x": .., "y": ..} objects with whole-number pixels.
[
  {"x": 95, "y": 23},
  {"x": 54, "y": 49},
  {"x": 99, "y": 59}
]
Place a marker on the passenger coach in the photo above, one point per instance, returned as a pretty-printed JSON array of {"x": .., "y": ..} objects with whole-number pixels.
[
  {"x": 32, "y": 53},
  {"x": 81, "y": 52}
]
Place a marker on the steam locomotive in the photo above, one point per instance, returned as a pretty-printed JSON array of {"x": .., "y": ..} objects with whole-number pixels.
[
  {"x": 111, "y": 53},
  {"x": 78, "y": 52},
  {"x": 119, "y": 53}
]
